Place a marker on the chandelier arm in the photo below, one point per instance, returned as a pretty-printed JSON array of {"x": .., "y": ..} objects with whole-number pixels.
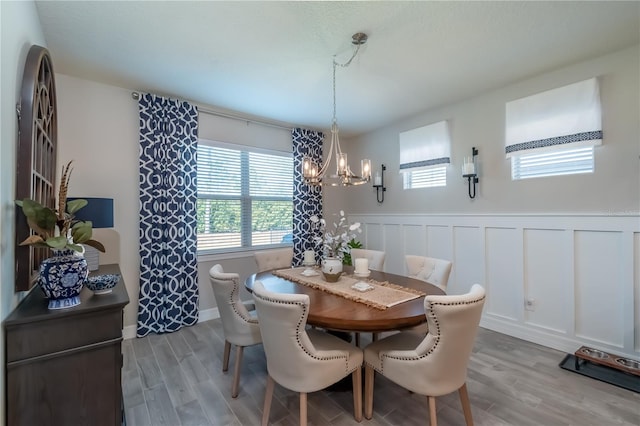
[{"x": 325, "y": 166}]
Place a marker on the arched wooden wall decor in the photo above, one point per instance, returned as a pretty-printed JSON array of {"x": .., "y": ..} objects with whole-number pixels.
[{"x": 36, "y": 155}]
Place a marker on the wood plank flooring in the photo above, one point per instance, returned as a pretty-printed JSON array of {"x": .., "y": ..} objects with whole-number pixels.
[{"x": 177, "y": 380}]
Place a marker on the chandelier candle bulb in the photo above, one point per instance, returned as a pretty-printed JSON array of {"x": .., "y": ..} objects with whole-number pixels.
[
  {"x": 342, "y": 164},
  {"x": 362, "y": 266},
  {"x": 366, "y": 169}
]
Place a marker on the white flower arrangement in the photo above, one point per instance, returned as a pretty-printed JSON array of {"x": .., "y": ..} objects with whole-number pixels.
[{"x": 334, "y": 242}]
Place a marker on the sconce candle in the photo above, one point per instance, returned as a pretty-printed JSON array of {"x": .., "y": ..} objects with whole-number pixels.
[
  {"x": 377, "y": 181},
  {"x": 469, "y": 171},
  {"x": 468, "y": 168}
]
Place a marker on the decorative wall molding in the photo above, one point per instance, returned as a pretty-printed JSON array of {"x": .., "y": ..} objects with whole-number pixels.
[{"x": 581, "y": 271}]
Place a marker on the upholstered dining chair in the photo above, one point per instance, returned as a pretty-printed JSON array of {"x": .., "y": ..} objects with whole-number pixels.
[
  {"x": 298, "y": 359},
  {"x": 375, "y": 257},
  {"x": 240, "y": 327},
  {"x": 434, "y": 271},
  {"x": 274, "y": 259},
  {"x": 433, "y": 365}
]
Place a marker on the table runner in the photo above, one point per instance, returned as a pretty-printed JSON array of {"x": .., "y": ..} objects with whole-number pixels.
[{"x": 383, "y": 295}]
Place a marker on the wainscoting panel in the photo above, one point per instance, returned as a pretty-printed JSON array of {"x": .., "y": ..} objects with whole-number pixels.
[
  {"x": 372, "y": 233},
  {"x": 439, "y": 241},
  {"x": 415, "y": 239},
  {"x": 547, "y": 270},
  {"x": 469, "y": 254},
  {"x": 581, "y": 272},
  {"x": 599, "y": 287},
  {"x": 504, "y": 266},
  {"x": 394, "y": 258}
]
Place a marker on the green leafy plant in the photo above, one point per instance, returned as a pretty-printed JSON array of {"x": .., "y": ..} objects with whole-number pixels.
[
  {"x": 58, "y": 229},
  {"x": 346, "y": 260}
]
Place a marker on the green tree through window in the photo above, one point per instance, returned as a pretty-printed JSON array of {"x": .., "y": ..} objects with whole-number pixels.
[{"x": 245, "y": 198}]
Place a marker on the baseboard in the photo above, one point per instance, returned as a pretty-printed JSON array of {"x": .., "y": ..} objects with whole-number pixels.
[
  {"x": 544, "y": 338},
  {"x": 129, "y": 331}
]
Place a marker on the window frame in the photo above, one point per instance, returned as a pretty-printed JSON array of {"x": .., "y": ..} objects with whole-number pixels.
[{"x": 245, "y": 198}]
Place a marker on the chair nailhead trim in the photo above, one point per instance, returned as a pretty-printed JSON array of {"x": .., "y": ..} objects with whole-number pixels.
[
  {"x": 300, "y": 329},
  {"x": 235, "y": 295},
  {"x": 437, "y": 324}
]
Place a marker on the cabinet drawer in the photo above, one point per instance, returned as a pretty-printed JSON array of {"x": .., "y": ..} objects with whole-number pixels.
[{"x": 25, "y": 341}]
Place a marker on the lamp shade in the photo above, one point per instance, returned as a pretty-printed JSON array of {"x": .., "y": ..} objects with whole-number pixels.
[{"x": 98, "y": 210}]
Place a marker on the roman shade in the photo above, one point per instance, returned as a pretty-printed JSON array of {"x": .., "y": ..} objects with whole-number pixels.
[
  {"x": 569, "y": 116},
  {"x": 425, "y": 147}
]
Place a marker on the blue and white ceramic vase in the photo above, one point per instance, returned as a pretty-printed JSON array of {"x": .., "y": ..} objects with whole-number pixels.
[{"x": 62, "y": 277}]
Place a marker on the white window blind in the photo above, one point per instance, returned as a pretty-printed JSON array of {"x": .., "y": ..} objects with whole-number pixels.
[
  {"x": 424, "y": 155},
  {"x": 245, "y": 198},
  {"x": 426, "y": 178},
  {"x": 554, "y": 132},
  {"x": 562, "y": 162}
]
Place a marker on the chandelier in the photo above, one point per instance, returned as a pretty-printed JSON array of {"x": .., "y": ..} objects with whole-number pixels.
[{"x": 312, "y": 173}]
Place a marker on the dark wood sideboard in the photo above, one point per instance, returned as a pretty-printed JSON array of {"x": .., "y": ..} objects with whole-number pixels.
[{"x": 63, "y": 367}]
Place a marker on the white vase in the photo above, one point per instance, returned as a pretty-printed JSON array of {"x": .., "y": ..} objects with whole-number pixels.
[{"x": 331, "y": 269}]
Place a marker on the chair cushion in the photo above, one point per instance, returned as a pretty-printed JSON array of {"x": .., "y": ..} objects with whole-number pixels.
[
  {"x": 323, "y": 341},
  {"x": 400, "y": 344}
]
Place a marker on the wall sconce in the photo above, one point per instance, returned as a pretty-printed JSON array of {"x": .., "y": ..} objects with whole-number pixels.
[
  {"x": 469, "y": 171},
  {"x": 378, "y": 184}
]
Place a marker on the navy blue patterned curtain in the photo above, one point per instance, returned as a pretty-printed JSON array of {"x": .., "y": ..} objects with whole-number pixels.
[
  {"x": 168, "y": 195},
  {"x": 307, "y": 200}
]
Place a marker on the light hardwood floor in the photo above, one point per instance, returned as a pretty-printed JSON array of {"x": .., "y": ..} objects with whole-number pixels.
[{"x": 177, "y": 379}]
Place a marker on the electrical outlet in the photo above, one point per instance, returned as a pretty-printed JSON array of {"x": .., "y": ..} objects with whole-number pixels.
[{"x": 530, "y": 304}]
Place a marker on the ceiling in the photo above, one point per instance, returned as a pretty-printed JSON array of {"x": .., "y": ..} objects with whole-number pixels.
[{"x": 274, "y": 59}]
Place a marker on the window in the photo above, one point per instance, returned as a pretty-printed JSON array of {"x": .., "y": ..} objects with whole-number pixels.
[
  {"x": 426, "y": 178},
  {"x": 424, "y": 155},
  {"x": 245, "y": 198},
  {"x": 560, "y": 162},
  {"x": 554, "y": 132}
]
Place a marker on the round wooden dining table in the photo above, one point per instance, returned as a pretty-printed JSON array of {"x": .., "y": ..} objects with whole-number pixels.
[{"x": 337, "y": 313}]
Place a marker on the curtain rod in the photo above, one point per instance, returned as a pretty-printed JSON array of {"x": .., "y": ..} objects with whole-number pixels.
[{"x": 136, "y": 96}]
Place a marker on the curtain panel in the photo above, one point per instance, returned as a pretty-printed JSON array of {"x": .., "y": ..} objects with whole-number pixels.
[
  {"x": 569, "y": 116},
  {"x": 168, "y": 296},
  {"x": 425, "y": 147},
  {"x": 307, "y": 199}
]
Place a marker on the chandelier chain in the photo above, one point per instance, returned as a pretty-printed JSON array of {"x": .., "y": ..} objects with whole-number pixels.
[{"x": 344, "y": 65}]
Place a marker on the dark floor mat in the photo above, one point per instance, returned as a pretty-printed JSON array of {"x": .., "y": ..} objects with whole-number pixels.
[{"x": 602, "y": 373}]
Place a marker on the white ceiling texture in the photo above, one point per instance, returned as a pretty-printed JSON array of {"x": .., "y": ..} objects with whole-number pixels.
[{"x": 274, "y": 59}]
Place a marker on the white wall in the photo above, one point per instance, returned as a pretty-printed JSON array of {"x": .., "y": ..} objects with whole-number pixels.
[
  {"x": 614, "y": 187},
  {"x": 98, "y": 129},
  {"x": 20, "y": 29}
]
